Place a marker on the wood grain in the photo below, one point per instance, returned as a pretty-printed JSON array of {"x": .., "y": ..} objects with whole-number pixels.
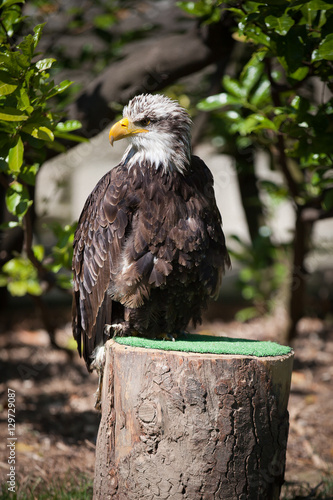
[{"x": 192, "y": 426}]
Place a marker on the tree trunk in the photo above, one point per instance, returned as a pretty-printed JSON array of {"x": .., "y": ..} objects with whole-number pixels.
[
  {"x": 303, "y": 229},
  {"x": 248, "y": 186},
  {"x": 191, "y": 426}
]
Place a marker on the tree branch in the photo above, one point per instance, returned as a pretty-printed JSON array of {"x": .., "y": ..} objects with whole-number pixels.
[
  {"x": 282, "y": 159},
  {"x": 169, "y": 58}
]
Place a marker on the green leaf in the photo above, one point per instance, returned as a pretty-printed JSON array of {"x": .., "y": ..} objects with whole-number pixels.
[
  {"x": 28, "y": 174},
  {"x": 279, "y": 24},
  {"x": 68, "y": 126},
  {"x": 24, "y": 101},
  {"x": 34, "y": 288},
  {"x": 38, "y": 33},
  {"x": 15, "y": 156},
  {"x": 21, "y": 277},
  {"x": 39, "y": 252},
  {"x": 318, "y": 5},
  {"x": 325, "y": 49},
  {"x": 27, "y": 46},
  {"x": 302, "y": 105},
  {"x": 44, "y": 64},
  {"x": 13, "y": 196},
  {"x": 233, "y": 86},
  {"x": 44, "y": 134},
  {"x": 261, "y": 94},
  {"x": 57, "y": 89},
  {"x": 6, "y": 88},
  {"x": 9, "y": 3},
  {"x": 200, "y": 8},
  {"x": 63, "y": 86},
  {"x": 299, "y": 74},
  {"x": 217, "y": 101},
  {"x": 251, "y": 75},
  {"x": 10, "y": 18},
  {"x": 315, "y": 56},
  {"x": 12, "y": 115},
  {"x": 254, "y": 34},
  {"x": 254, "y": 123},
  {"x": 39, "y": 132},
  {"x": 17, "y": 199},
  {"x": 70, "y": 137},
  {"x": 17, "y": 288}
]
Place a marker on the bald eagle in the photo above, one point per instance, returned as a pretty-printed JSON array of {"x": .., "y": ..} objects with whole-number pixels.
[{"x": 149, "y": 248}]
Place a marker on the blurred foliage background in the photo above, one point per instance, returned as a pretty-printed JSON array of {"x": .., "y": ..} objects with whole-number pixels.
[{"x": 255, "y": 76}]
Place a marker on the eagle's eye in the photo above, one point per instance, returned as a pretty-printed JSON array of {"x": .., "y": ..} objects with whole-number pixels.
[{"x": 144, "y": 122}]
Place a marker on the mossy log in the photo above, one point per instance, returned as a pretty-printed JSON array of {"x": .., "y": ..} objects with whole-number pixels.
[{"x": 191, "y": 426}]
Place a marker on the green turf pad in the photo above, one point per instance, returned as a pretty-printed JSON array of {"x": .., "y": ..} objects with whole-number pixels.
[{"x": 209, "y": 344}]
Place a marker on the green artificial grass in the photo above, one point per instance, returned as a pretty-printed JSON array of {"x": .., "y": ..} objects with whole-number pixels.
[{"x": 209, "y": 344}]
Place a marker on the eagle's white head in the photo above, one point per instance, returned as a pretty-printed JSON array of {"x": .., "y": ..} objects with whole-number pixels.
[{"x": 159, "y": 130}]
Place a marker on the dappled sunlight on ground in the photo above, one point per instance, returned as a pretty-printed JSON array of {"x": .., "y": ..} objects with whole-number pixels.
[{"x": 56, "y": 424}]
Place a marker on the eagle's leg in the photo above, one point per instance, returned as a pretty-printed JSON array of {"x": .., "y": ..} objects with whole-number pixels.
[
  {"x": 98, "y": 364},
  {"x": 120, "y": 329},
  {"x": 98, "y": 393}
]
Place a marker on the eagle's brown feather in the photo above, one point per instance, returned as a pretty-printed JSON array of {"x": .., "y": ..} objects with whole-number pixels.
[
  {"x": 148, "y": 252},
  {"x": 136, "y": 244}
]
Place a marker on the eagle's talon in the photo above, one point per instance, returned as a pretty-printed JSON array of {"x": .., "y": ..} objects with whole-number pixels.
[
  {"x": 113, "y": 330},
  {"x": 167, "y": 336}
]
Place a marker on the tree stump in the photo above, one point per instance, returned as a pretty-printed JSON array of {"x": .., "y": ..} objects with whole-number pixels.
[{"x": 183, "y": 425}]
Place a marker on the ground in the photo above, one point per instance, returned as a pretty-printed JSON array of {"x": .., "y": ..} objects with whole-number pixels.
[{"x": 56, "y": 424}]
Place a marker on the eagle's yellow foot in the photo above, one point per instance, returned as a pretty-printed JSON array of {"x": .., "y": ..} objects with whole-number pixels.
[{"x": 167, "y": 336}]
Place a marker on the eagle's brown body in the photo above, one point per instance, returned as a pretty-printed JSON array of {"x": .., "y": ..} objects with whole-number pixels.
[{"x": 148, "y": 252}]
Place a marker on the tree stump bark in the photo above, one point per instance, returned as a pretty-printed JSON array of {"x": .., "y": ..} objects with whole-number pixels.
[{"x": 192, "y": 426}]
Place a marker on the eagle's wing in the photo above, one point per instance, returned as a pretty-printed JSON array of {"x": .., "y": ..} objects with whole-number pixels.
[
  {"x": 97, "y": 243},
  {"x": 216, "y": 258}
]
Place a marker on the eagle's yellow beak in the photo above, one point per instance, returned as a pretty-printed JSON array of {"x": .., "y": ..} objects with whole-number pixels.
[{"x": 123, "y": 128}]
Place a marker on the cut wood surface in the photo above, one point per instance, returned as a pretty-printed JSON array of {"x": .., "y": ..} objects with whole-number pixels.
[{"x": 192, "y": 426}]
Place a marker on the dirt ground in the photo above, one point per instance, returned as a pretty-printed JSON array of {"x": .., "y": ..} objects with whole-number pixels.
[{"x": 56, "y": 424}]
